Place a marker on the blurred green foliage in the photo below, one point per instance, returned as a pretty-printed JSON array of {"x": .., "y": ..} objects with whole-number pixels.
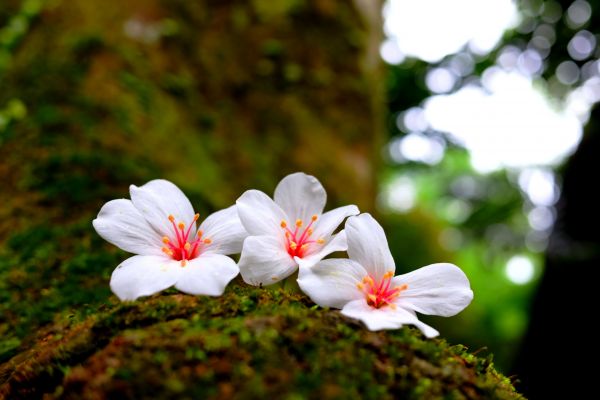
[{"x": 482, "y": 228}]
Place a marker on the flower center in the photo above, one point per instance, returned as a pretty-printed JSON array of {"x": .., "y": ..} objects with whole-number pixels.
[
  {"x": 298, "y": 240},
  {"x": 184, "y": 247},
  {"x": 379, "y": 295}
]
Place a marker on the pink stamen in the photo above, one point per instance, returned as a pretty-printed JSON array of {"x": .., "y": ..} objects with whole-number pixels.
[
  {"x": 297, "y": 241},
  {"x": 172, "y": 219},
  {"x": 380, "y": 295},
  {"x": 181, "y": 249}
]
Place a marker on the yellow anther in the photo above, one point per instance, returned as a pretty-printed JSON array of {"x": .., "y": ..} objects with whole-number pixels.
[
  {"x": 388, "y": 275},
  {"x": 207, "y": 241},
  {"x": 402, "y": 287},
  {"x": 200, "y": 233},
  {"x": 183, "y": 263},
  {"x": 283, "y": 224},
  {"x": 393, "y": 306},
  {"x": 303, "y": 247},
  {"x": 309, "y": 231},
  {"x": 196, "y": 217},
  {"x": 171, "y": 218},
  {"x": 298, "y": 223},
  {"x": 293, "y": 245},
  {"x": 165, "y": 240},
  {"x": 360, "y": 286},
  {"x": 181, "y": 225},
  {"x": 187, "y": 246},
  {"x": 367, "y": 279},
  {"x": 167, "y": 251},
  {"x": 320, "y": 240},
  {"x": 314, "y": 218},
  {"x": 372, "y": 297}
]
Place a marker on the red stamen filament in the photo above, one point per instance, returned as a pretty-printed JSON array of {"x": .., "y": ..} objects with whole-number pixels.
[
  {"x": 381, "y": 295},
  {"x": 298, "y": 241},
  {"x": 184, "y": 249}
]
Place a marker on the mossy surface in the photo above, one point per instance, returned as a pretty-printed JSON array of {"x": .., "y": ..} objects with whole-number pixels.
[{"x": 250, "y": 343}]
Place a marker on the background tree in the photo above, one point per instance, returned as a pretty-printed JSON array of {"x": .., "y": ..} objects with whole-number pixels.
[{"x": 555, "y": 46}]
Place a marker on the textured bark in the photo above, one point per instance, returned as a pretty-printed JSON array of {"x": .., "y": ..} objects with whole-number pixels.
[{"x": 219, "y": 96}]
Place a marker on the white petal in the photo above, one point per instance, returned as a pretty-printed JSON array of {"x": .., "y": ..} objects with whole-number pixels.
[
  {"x": 121, "y": 224},
  {"x": 158, "y": 199},
  {"x": 427, "y": 330},
  {"x": 384, "y": 318},
  {"x": 259, "y": 214},
  {"x": 437, "y": 289},
  {"x": 225, "y": 230},
  {"x": 144, "y": 275},
  {"x": 337, "y": 243},
  {"x": 329, "y": 221},
  {"x": 264, "y": 261},
  {"x": 208, "y": 275},
  {"x": 368, "y": 245},
  {"x": 301, "y": 196},
  {"x": 332, "y": 283}
]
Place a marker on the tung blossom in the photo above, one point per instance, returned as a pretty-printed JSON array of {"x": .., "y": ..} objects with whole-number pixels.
[
  {"x": 159, "y": 225},
  {"x": 364, "y": 287},
  {"x": 289, "y": 231}
]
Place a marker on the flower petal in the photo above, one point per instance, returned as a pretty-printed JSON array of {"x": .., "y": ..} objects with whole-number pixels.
[
  {"x": 264, "y": 261},
  {"x": 337, "y": 243},
  {"x": 329, "y": 221},
  {"x": 225, "y": 230},
  {"x": 301, "y": 196},
  {"x": 259, "y": 214},
  {"x": 207, "y": 275},
  {"x": 437, "y": 289},
  {"x": 368, "y": 245},
  {"x": 332, "y": 283},
  {"x": 144, "y": 275},
  {"x": 121, "y": 224},
  {"x": 385, "y": 318},
  {"x": 158, "y": 199}
]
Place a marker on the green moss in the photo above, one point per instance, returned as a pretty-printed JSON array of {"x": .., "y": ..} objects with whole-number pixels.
[{"x": 251, "y": 342}]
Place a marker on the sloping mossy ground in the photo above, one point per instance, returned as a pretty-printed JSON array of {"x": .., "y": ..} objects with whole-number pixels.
[{"x": 250, "y": 343}]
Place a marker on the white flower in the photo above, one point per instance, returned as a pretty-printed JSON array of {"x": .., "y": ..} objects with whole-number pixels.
[
  {"x": 289, "y": 232},
  {"x": 365, "y": 288},
  {"x": 159, "y": 225}
]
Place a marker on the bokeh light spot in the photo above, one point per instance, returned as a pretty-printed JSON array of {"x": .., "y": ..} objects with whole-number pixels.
[
  {"x": 582, "y": 45},
  {"x": 440, "y": 80},
  {"x": 578, "y": 13},
  {"x": 400, "y": 194},
  {"x": 520, "y": 270},
  {"x": 539, "y": 185}
]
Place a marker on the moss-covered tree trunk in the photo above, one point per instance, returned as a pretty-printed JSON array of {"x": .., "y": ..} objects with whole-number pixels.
[{"x": 218, "y": 96}]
